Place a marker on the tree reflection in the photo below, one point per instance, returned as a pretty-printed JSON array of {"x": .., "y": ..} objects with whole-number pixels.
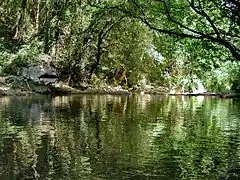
[{"x": 114, "y": 137}]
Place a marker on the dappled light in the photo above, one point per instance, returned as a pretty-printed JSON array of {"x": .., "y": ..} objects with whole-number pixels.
[{"x": 120, "y": 89}]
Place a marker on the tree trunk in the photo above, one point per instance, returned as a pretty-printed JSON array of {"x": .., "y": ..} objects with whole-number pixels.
[
  {"x": 98, "y": 55},
  {"x": 20, "y": 22},
  {"x": 37, "y": 16}
]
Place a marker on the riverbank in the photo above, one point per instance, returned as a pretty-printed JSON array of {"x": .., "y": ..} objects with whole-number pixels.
[
  {"x": 42, "y": 78},
  {"x": 8, "y": 89},
  {"x": 15, "y": 86}
]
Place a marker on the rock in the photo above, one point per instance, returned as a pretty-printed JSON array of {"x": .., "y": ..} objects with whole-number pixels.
[
  {"x": 41, "y": 89},
  {"x": 6, "y": 91},
  {"x": 47, "y": 81},
  {"x": 120, "y": 92},
  {"x": 236, "y": 95},
  {"x": 117, "y": 91},
  {"x": 3, "y": 79},
  {"x": 65, "y": 90},
  {"x": 41, "y": 74},
  {"x": 158, "y": 90}
]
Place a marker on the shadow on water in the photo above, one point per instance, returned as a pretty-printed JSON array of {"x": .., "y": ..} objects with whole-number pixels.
[{"x": 114, "y": 137}]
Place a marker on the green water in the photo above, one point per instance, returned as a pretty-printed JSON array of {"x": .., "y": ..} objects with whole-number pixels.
[{"x": 114, "y": 137}]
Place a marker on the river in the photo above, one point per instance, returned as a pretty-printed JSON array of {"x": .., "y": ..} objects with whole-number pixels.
[{"x": 119, "y": 137}]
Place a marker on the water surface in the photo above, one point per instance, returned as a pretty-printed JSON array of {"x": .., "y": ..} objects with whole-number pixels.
[{"x": 118, "y": 137}]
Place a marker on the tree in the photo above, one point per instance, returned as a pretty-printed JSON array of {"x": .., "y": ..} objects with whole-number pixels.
[{"x": 204, "y": 20}]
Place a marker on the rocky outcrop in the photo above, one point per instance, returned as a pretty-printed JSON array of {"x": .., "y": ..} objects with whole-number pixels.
[
  {"x": 107, "y": 90},
  {"x": 7, "y": 91},
  {"x": 41, "y": 74}
]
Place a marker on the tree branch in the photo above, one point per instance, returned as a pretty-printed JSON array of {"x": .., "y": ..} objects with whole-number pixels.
[
  {"x": 201, "y": 12},
  {"x": 170, "y": 18},
  {"x": 197, "y": 35}
]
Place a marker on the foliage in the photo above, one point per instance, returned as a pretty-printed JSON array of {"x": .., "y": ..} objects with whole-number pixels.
[
  {"x": 26, "y": 54},
  {"x": 167, "y": 42}
]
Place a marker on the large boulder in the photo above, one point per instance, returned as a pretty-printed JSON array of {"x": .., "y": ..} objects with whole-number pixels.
[{"x": 41, "y": 74}]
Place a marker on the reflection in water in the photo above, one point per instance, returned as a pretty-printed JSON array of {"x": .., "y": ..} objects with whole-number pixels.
[{"x": 118, "y": 137}]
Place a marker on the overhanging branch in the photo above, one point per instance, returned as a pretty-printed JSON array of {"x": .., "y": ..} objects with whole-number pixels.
[{"x": 196, "y": 34}]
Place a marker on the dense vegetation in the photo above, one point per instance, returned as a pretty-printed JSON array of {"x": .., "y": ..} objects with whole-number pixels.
[{"x": 170, "y": 43}]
